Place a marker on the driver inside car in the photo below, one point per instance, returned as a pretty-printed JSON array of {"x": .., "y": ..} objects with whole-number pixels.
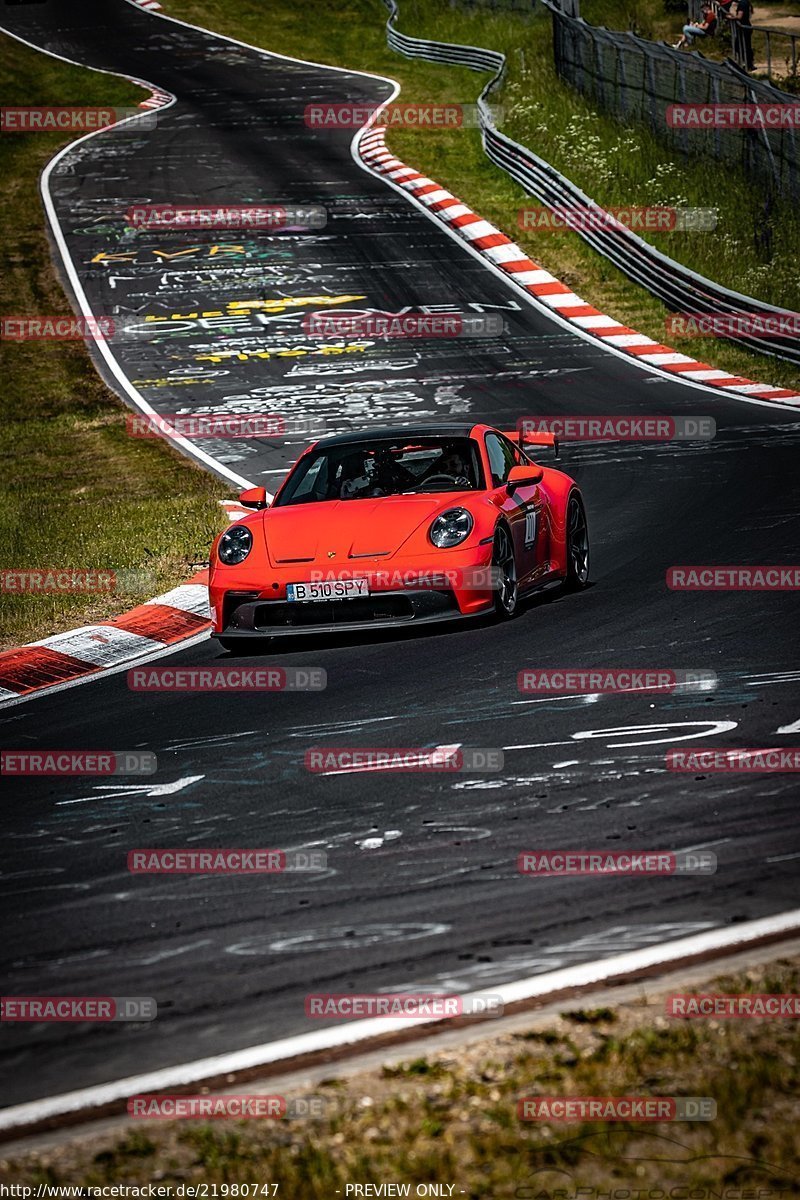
[
  {"x": 377, "y": 476},
  {"x": 452, "y": 464},
  {"x": 357, "y": 478}
]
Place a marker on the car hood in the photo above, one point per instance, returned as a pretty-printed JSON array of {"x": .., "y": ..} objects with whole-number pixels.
[{"x": 350, "y": 529}]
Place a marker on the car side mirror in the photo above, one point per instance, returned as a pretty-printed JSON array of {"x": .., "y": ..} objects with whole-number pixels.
[
  {"x": 524, "y": 476},
  {"x": 254, "y": 498}
]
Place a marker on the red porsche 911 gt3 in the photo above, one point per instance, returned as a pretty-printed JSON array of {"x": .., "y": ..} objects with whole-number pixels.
[{"x": 398, "y": 527}]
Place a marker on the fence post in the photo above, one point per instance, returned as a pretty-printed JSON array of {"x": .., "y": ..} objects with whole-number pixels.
[
  {"x": 651, "y": 87},
  {"x": 793, "y": 183},
  {"x": 770, "y": 155},
  {"x": 599, "y": 89},
  {"x": 682, "y": 98},
  {"x": 623, "y": 83},
  {"x": 715, "y": 95}
]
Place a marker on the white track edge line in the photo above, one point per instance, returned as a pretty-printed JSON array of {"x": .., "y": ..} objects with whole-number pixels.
[
  {"x": 103, "y": 672},
  {"x": 101, "y": 344},
  {"x": 356, "y": 1032}
]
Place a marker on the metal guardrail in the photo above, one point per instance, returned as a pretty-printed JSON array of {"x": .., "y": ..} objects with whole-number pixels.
[
  {"x": 681, "y": 289},
  {"x": 739, "y": 46}
]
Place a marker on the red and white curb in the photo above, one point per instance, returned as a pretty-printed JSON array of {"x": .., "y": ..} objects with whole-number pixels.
[
  {"x": 69, "y": 658},
  {"x": 514, "y": 262},
  {"x": 153, "y": 5},
  {"x": 156, "y": 99},
  {"x": 147, "y": 631}
]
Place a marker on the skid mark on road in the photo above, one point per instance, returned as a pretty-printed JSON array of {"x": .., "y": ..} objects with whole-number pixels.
[
  {"x": 617, "y": 940},
  {"x": 342, "y": 938}
]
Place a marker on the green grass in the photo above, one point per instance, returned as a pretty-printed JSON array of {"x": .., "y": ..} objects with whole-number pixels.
[
  {"x": 750, "y": 251},
  {"x": 75, "y": 490},
  {"x": 451, "y": 1117}
]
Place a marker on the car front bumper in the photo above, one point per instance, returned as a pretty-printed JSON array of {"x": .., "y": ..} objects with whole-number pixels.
[
  {"x": 380, "y": 610},
  {"x": 250, "y": 600}
]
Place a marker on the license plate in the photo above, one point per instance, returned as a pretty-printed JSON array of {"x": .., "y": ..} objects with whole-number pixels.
[{"x": 340, "y": 589}]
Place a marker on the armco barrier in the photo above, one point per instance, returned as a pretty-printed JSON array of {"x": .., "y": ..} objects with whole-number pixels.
[{"x": 681, "y": 289}]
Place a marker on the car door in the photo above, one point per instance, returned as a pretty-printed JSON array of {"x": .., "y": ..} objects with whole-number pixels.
[{"x": 522, "y": 508}]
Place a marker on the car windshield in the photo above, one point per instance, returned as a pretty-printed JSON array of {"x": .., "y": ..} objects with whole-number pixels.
[{"x": 384, "y": 467}]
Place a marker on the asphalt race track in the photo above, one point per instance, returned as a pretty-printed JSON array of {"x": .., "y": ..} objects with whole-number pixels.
[{"x": 422, "y": 888}]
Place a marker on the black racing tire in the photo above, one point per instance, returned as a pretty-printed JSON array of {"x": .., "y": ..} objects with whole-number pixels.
[
  {"x": 504, "y": 570},
  {"x": 577, "y": 576}
]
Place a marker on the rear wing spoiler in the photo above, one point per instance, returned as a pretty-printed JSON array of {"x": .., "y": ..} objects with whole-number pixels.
[{"x": 532, "y": 437}]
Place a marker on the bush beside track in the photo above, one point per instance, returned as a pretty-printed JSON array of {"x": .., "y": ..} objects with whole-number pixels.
[
  {"x": 752, "y": 251},
  {"x": 450, "y": 1117},
  {"x": 76, "y": 491}
]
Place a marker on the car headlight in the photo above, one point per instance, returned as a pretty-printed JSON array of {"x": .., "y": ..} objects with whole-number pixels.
[
  {"x": 451, "y": 527},
  {"x": 235, "y": 545}
]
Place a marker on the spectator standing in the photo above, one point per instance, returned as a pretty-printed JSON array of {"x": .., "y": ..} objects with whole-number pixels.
[{"x": 744, "y": 29}]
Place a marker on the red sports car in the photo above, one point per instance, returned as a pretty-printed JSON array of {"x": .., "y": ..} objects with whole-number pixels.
[{"x": 398, "y": 527}]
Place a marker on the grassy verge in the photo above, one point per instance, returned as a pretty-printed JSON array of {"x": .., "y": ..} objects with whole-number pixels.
[
  {"x": 75, "y": 490},
  {"x": 752, "y": 251},
  {"x": 451, "y": 1117}
]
